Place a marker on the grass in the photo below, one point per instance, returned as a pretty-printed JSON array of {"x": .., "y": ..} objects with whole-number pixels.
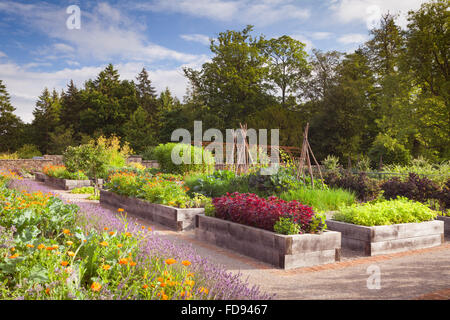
[
  {"x": 83, "y": 190},
  {"x": 322, "y": 200}
]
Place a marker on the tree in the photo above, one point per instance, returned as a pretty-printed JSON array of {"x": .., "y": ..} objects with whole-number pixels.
[
  {"x": 46, "y": 118},
  {"x": 146, "y": 93},
  {"x": 139, "y": 132},
  {"x": 288, "y": 65},
  {"x": 10, "y": 124},
  {"x": 234, "y": 84}
]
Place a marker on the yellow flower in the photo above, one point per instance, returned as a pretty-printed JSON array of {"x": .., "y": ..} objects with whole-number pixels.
[
  {"x": 171, "y": 261},
  {"x": 185, "y": 263},
  {"x": 41, "y": 246},
  {"x": 106, "y": 267},
  {"x": 104, "y": 244},
  {"x": 70, "y": 253},
  {"x": 69, "y": 243},
  {"x": 127, "y": 234},
  {"x": 96, "y": 286}
]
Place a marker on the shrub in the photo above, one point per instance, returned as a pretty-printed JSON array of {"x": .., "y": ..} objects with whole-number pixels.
[
  {"x": 390, "y": 150},
  {"x": 365, "y": 188},
  {"x": 415, "y": 188},
  {"x": 83, "y": 190},
  {"x": 286, "y": 226},
  {"x": 148, "y": 153},
  {"x": 61, "y": 172},
  {"x": 9, "y": 156},
  {"x": 331, "y": 163},
  {"x": 163, "y": 154},
  {"x": 115, "y": 154},
  {"x": 251, "y": 210},
  {"x": 322, "y": 200},
  {"x": 397, "y": 211},
  {"x": 28, "y": 151}
]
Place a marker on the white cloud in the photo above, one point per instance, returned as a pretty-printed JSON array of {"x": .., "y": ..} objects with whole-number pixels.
[
  {"x": 3, "y": 55},
  {"x": 364, "y": 10},
  {"x": 321, "y": 35},
  {"x": 106, "y": 33},
  {"x": 352, "y": 38},
  {"x": 257, "y": 12},
  {"x": 200, "y": 38}
]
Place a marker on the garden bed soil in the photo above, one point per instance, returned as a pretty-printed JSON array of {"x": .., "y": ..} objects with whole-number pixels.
[
  {"x": 175, "y": 218},
  {"x": 446, "y": 224},
  {"x": 388, "y": 239},
  {"x": 282, "y": 251}
]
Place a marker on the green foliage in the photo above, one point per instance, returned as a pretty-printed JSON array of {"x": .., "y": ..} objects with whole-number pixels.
[
  {"x": 10, "y": 124},
  {"x": 286, "y": 226},
  {"x": 148, "y": 153},
  {"x": 390, "y": 212},
  {"x": 322, "y": 200},
  {"x": 163, "y": 154},
  {"x": 331, "y": 163},
  {"x": 390, "y": 150},
  {"x": 28, "y": 151}
]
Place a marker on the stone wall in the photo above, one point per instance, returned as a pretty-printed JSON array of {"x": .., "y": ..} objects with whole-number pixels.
[{"x": 31, "y": 164}]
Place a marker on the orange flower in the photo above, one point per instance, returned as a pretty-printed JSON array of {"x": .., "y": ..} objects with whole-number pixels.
[
  {"x": 41, "y": 246},
  {"x": 171, "y": 261},
  {"x": 30, "y": 245},
  {"x": 165, "y": 297},
  {"x": 106, "y": 228},
  {"x": 127, "y": 234},
  {"x": 49, "y": 248},
  {"x": 149, "y": 229},
  {"x": 120, "y": 210},
  {"x": 47, "y": 291},
  {"x": 111, "y": 233},
  {"x": 142, "y": 227},
  {"x": 104, "y": 244},
  {"x": 119, "y": 245},
  {"x": 64, "y": 263},
  {"x": 123, "y": 261},
  {"x": 14, "y": 256},
  {"x": 132, "y": 263},
  {"x": 68, "y": 270},
  {"x": 186, "y": 263},
  {"x": 204, "y": 290},
  {"x": 66, "y": 231},
  {"x": 144, "y": 286},
  {"x": 13, "y": 249},
  {"x": 96, "y": 286},
  {"x": 106, "y": 267}
]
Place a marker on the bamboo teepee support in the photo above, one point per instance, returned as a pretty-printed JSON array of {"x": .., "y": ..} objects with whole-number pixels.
[{"x": 305, "y": 157}]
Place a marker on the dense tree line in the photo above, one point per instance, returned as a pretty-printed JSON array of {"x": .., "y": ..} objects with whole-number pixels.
[{"x": 388, "y": 98}]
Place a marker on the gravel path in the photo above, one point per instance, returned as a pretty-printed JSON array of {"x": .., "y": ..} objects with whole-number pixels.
[{"x": 419, "y": 274}]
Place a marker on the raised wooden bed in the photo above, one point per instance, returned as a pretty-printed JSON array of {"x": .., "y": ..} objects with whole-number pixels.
[
  {"x": 64, "y": 184},
  {"x": 446, "y": 224},
  {"x": 282, "y": 251},
  {"x": 174, "y": 218},
  {"x": 387, "y": 239}
]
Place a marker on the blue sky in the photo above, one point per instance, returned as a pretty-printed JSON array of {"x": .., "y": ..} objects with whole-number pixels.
[{"x": 37, "y": 49}]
